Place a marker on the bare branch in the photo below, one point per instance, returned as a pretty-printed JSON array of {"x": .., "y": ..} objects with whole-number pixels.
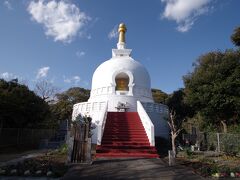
[
  {"x": 174, "y": 128},
  {"x": 45, "y": 90}
]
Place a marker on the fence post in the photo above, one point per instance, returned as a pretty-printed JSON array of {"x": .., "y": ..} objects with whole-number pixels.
[{"x": 218, "y": 142}]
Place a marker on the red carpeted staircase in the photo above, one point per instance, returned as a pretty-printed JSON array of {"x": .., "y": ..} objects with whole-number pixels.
[{"x": 125, "y": 136}]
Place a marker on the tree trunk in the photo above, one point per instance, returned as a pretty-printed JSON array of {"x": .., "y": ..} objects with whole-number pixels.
[
  {"x": 224, "y": 126},
  {"x": 174, "y": 146}
]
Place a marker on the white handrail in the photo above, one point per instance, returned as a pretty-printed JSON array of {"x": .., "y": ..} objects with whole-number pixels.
[
  {"x": 101, "y": 124},
  {"x": 147, "y": 123},
  {"x": 98, "y": 112}
]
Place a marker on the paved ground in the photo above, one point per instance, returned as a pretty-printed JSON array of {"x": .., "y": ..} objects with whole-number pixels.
[
  {"x": 130, "y": 169},
  {"x": 26, "y": 178}
]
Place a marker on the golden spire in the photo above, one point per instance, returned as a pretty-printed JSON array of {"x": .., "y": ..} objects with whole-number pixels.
[{"x": 122, "y": 29}]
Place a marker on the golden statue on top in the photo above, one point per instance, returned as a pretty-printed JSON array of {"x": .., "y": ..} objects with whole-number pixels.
[{"x": 122, "y": 29}]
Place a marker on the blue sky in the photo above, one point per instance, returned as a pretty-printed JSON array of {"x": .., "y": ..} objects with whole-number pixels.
[{"x": 64, "y": 41}]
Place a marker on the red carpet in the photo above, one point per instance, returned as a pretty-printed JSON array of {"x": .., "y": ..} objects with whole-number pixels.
[{"x": 124, "y": 136}]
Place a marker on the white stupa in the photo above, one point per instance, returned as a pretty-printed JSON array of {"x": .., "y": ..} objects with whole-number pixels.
[{"x": 123, "y": 84}]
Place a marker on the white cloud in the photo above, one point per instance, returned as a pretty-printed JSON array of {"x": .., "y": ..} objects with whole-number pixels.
[
  {"x": 185, "y": 12},
  {"x": 66, "y": 80},
  {"x": 7, "y": 76},
  {"x": 62, "y": 20},
  {"x": 10, "y": 76},
  {"x": 113, "y": 33},
  {"x": 42, "y": 72},
  {"x": 76, "y": 79},
  {"x": 8, "y": 4},
  {"x": 89, "y": 36},
  {"x": 72, "y": 80},
  {"x": 80, "y": 54}
]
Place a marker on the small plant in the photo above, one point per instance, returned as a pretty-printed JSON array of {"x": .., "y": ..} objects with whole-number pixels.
[
  {"x": 86, "y": 121},
  {"x": 224, "y": 171},
  {"x": 63, "y": 149},
  {"x": 214, "y": 168},
  {"x": 189, "y": 153},
  {"x": 237, "y": 174}
]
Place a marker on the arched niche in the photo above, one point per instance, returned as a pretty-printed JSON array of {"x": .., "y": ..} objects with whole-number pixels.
[{"x": 122, "y": 82}]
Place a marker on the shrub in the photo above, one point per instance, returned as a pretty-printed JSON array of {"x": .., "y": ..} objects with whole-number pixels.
[
  {"x": 63, "y": 149},
  {"x": 224, "y": 169}
]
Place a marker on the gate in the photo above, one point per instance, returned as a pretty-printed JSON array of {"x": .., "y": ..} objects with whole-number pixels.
[{"x": 81, "y": 151}]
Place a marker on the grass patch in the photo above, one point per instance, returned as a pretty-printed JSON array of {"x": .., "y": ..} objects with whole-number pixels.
[{"x": 213, "y": 165}]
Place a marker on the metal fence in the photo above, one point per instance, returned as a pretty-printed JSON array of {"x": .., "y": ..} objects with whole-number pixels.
[
  {"x": 10, "y": 137},
  {"x": 221, "y": 142}
]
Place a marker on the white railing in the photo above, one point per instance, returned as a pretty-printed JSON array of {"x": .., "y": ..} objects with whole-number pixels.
[
  {"x": 101, "y": 124},
  {"x": 86, "y": 108},
  {"x": 138, "y": 90},
  {"x": 147, "y": 123}
]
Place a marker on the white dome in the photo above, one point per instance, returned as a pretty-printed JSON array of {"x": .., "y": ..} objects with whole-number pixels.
[
  {"x": 121, "y": 80},
  {"x": 105, "y": 74}
]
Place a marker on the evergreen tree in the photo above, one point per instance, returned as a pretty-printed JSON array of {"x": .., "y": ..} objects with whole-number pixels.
[{"x": 21, "y": 107}]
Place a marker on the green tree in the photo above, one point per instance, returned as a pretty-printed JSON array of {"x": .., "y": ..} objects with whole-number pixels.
[
  {"x": 159, "y": 96},
  {"x": 236, "y": 37},
  {"x": 20, "y": 107},
  {"x": 213, "y": 88},
  {"x": 176, "y": 102},
  {"x": 63, "y": 107}
]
